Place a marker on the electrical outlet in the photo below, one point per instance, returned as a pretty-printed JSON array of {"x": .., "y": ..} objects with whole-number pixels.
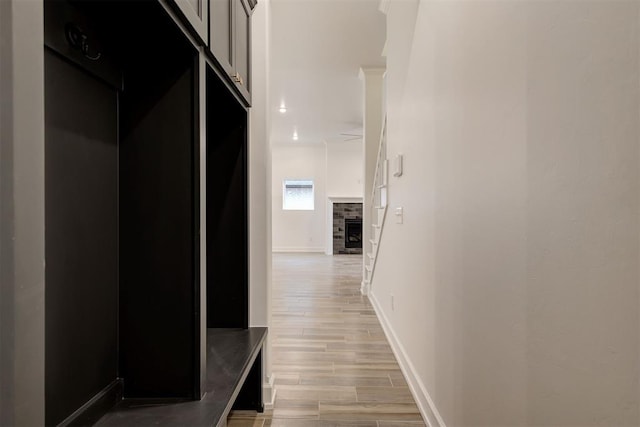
[{"x": 393, "y": 304}]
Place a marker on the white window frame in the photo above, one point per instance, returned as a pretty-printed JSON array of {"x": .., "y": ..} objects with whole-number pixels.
[{"x": 288, "y": 206}]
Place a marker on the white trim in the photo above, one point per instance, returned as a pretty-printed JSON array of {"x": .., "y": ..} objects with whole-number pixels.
[
  {"x": 341, "y": 199},
  {"x": 371, "y": 71},
  {"x": 425, "y": 404},
  {"x": 365, "y": 287},
  {"x": 297, "y": 249},
  {"x": 269, "y": 392},
  {"x": 384, "y": 6}
]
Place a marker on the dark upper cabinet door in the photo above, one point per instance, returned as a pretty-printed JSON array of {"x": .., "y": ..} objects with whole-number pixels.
[
  {"x": 220, "y": 35},
  {"x": 230, "y": 40},
  {"x": 196, "y": 13},
  {"x": 242, "y": 49}
]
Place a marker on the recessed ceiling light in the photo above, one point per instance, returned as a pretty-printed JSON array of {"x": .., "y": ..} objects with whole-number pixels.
[
  {"x": 283, "y": 108},
  {"x": 295, "y": 135}
]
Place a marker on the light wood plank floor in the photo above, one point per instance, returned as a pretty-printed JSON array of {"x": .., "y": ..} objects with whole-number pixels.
[{"x": 333, "y": 365}]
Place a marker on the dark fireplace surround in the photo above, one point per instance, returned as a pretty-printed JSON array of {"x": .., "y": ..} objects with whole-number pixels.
[
  {"x": 353, "y": 233},
  {"x": 347, "y": 228}
]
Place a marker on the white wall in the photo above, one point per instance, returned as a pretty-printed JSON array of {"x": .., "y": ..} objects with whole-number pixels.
[
  {"x": 344, "y": 168},
  {"x": 516, "y": 271},
  {"x": 299, "y": 231},
  {"x": 337, "y": 171},
  {"x": 259, "y": 203},
  {"x": 259, "y": 187}
]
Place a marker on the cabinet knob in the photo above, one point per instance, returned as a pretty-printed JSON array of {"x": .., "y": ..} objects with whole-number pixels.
[{"x": 238, "y": 78}]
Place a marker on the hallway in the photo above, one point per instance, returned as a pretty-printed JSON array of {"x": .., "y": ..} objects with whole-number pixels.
[{"x": 332, "y": 362}]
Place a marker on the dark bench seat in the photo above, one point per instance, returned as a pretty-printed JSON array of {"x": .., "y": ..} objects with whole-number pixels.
[{"x": 234, "y": 379}]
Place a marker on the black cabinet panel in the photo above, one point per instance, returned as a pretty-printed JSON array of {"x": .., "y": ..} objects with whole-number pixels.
[
  {"x": 157, "y": 267},
  {"x": 81, "y": 237},
  {"x": 227, "y": 234},
  {"x": 158, "y": 208}
]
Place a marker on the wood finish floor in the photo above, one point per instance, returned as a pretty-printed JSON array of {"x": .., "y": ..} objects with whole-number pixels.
[{"x": 332, "y": 363}]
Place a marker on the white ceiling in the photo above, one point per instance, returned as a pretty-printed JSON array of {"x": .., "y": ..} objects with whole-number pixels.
[{"x": 317, "y": 49}]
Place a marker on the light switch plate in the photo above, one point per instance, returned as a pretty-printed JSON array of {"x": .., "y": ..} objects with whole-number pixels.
[
  {"x": 399, "y": 215},
  {"x": 397, "y": 165}
]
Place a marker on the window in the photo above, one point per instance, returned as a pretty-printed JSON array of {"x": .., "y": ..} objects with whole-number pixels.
[{"x": 297, "y": 195}]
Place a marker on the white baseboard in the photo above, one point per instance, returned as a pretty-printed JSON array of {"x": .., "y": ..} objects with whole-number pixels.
[
  {"x": 269, "y": 392},
  {"x": 298, "y": 249},
  {"x": 364, "y": 288},
  {"x": 425, "y": 404}
]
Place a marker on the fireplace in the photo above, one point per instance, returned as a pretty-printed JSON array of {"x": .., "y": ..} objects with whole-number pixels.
[
  {"x": 353, "y": 233},
  {"x": 347, "y": 228}
]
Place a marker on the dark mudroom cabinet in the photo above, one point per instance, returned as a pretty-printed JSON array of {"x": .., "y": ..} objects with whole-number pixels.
[
  {"x": 81, "y": 238},
  {"x": 227, "y": 231},
  {"x": 135, "y": 335}
]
